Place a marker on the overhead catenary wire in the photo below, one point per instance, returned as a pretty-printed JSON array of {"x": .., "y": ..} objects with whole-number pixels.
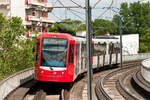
[
  {"x": 61, "y": 3},
  {"x": 76, "y": 14},
  {"x": 77, "y": 7},
  {"x": 56, "y": 16},
  {"x": 96, "y": 3},
  {"x": 72, "y": 11},
  {"x": 77, "y": 4},
  {"x": 76, "y": 11},
  {"x": 106, "y": 9},
  {"x": 63, "y": 6},
  {"x": 55, "y": 2}
]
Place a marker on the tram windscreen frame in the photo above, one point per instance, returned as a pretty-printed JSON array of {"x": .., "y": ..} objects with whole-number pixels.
[{"x": 54, "y": 52}]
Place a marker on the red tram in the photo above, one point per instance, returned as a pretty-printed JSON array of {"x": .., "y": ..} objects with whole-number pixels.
[
  {"x": 57, "y": 57},
  {"x": 61, "y": 57}
]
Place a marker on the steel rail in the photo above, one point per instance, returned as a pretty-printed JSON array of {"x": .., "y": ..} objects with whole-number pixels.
[
  {"x": 122, "y": 87},
  {"x": 101, "y": 81}
]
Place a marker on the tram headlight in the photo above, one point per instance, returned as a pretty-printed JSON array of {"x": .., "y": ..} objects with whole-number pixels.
[{"x": 42, "y": 72}]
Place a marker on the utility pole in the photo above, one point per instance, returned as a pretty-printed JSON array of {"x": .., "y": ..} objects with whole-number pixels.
[
  {"x": 120, "y": 30},
  {"x": 89, "y": 48}
]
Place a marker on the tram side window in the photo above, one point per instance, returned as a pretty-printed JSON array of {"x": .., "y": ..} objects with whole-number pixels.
[
  {"x": 77, "y": 50},
  {"x": 37, "y": 50},
  {"x": 92, "y": 49},
  {"x": 71, "y": 54},
  {"x": 83, "y": 50}
]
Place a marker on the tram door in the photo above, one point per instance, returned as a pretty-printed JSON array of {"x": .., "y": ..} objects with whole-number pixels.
[
  {"x": 71, "y": 60},
  {"x": 76, "y": 67}
]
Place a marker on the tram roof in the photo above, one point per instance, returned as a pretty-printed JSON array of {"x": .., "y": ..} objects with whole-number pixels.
[{"x": 57, "y": 35}]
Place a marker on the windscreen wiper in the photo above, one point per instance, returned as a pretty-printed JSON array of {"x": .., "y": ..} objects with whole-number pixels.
[{"x": 50, "y": 67}]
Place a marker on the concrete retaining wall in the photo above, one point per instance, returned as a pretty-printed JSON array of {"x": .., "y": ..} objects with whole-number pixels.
[
  {"x": 145, "y": 69},
  {"x": 140, "y": 56},
  {"x": 14, "y": 81}
]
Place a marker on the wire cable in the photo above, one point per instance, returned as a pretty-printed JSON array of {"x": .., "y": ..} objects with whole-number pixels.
[
  {"x": 76, "y": 11},
  {"x": 106, "y": 10},
  {"x": 56, "y": 16},
  {"x": 61, "y": 3},
  {"x": 76, "y": 14},
  {"x": 96, "y": 3},
  {"x": 80, "y": 6}
]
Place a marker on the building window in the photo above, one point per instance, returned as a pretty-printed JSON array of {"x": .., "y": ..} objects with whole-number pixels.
[
  {"x": 43, "y": 1},
  {"x": 39, "y": 29},
  {"x": 27, "y": 34},
  {"x": 34, "y": 29},
  {"x": 33, "y": 13},
  {"x": 26, "y": 2},
  {"x": 43, "y": 30},
  {"x": 43, "y": 14},
  {"x": 26, "y": 18}
]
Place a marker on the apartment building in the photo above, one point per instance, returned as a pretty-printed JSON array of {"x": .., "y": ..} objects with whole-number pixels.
[{"x": 34, "y": 13}]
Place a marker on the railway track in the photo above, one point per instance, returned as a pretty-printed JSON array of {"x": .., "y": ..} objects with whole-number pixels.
[
  {"x": 45, "y": 91},
  {"x": 53, "y": 91},
  {"x": 79, "y": 90},
  {"x": 37, "y": 91},
  {"x": 118, "y": 85},
  {"x": 34, "y": 90}
]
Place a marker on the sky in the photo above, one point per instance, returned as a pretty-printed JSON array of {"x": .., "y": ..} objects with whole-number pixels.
[{"x": 59, "y": 14}]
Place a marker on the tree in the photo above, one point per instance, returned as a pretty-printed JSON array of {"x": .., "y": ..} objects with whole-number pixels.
[
  {"x": 74, "y": 24},
  {"x": 15, "y": 51},
  {"x": 145, "y": 43},
  {"x": 68, "y": 26},
  {"x": 61, "y": 28},
  {"x": 135, "y": 18},
  {"x": 101, "y": 26}
]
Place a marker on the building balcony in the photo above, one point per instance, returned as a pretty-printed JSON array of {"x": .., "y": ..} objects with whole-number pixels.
[
  {"x": 48, "y": 5},
  {"x": 27, "y": 23},
  {"x": 32, "y": 18},
  {"x": 34, "y": 2},
  {"x": 38, "y": 5},
  {"x": 5, "y": 4},
  {"x": 36, "y": 21},
  {"x": 46, "y": 20}
]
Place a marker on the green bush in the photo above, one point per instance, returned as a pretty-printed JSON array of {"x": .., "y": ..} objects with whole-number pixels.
[
  {"x": 145, "y": 43},
  {"x": 15, "y": 50}
]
